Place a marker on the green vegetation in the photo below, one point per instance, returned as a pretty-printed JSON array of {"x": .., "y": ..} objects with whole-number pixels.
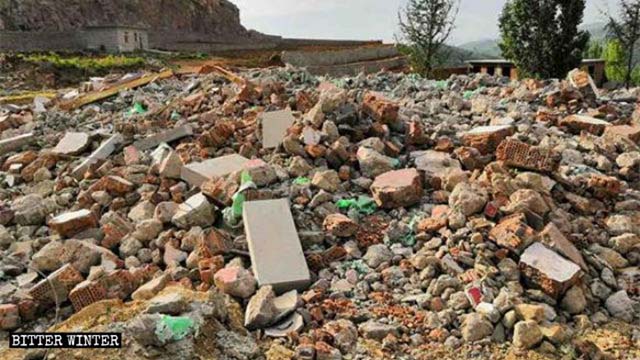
[
  {"x": 542, "y": 37},
  {"x": 86, "y": 64}
]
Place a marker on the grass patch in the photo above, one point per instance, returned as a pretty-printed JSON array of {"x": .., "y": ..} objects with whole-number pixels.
[{"x": 86, "y": 64}]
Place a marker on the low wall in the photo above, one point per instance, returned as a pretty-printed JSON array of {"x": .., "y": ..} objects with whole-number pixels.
[
  {"x": 337, "y": 57},
  {"x": 22, "y": 41},
  {"x": 353, "y": 69}
]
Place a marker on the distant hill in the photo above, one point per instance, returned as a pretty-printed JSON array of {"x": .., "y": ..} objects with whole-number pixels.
[{"x": 489, "y": 49}]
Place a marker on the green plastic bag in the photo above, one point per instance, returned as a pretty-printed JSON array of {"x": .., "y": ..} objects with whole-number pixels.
[
  {"x": 137, "y": 108},
  {"x": 364, "y": 205},
  {"x": 301, "y": 181},
  {"x": 173, "y": 328}
]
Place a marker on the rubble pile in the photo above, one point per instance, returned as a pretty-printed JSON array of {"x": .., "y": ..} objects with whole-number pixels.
[{"x": 384, "y": 208}]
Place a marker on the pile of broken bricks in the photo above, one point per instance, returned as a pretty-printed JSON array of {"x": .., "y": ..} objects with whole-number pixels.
[{"x": 388, "y": 208}]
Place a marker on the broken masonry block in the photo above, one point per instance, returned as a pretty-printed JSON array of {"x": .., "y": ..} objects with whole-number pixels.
[
  {"x": 487, "y": 138},
  {"x": 512, "y": 233},
  {"x": 518, "y": 154},
  {"x": 545, "y": 269},
  {"x": 397, "y": 188},
  {"x": 15, "y": 143},
  {"x": 379, "y": 108},
  {"x": 276, "y": 253},
  {"x": 71, "y": 223},
  {"x": 55, "y": 288},
  {"x": 555, "y": 239},
  {"x": 578, "y": 123},
  {"x": 632, "y": 132},
  {"x": 274, "y": 127},
  {"x": 72, "y": 143},
  {"x": 168, "y": 136},
  {"x": 86, "y": 293},
  {"x": 197, "y": 173},
  {"x": 102, "y": 153}
]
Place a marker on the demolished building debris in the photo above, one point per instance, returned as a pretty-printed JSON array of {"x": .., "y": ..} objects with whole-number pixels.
[{"x": 380, "y": 209}]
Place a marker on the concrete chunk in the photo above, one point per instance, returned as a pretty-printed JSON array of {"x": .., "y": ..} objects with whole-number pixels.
[
  {"x": 487, "y": 138},
  {"x": 15, "y": 143},
  {"x": 398, "y": 188},
  {"x": 578, "y": 123},
  {"x": 547, "y": 270},
  {"x": 197, "y": 173},
  {"x": 72, "y": 143},
  {"x": 101, "y": 153},
  {"x": 164, "y": 137},
  {"x": 274, "y": 127},
  {"x": 276, "y": 253},
  {"x": 553, "y": 237}
]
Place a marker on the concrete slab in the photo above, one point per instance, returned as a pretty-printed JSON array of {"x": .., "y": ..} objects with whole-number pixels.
[
  {"x": 197, "y": 173},
  {"x": 15, "y": 143},
  {"x": 276, "y": 253},
  {"x": 102, "y": 152},
  {"x": 164, "y": 137},
  {"x": 274, "y": 127},
  {"x": 547, "y": 270},
  {"x": 73, "y": 143}
]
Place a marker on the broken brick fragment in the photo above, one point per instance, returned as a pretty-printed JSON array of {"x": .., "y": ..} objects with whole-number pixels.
[
  {"x": 512, "y": 233},
  {"x": 340, "y": 225},
  {"x": 87, "y": 293},
  {"x": 518, "y": 154},
  {"x": 632, "y": 132},
  {"x": 56, "y": 287},
  {"x": 72, "y": 223},
  {"x": 550, "y": 272},
  {"x": 379, "y": 108},
  {"x": 398, "y": 188},
  {"x": 578, "y": 123},
  {"x": 220, "y": 191},
  {"x": 487, "y": 138}
]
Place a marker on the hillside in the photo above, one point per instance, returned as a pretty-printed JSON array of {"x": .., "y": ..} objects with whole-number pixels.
[{"x": 202, "y": 16}]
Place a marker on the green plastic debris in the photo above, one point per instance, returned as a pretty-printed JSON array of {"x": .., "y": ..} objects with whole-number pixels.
[
  {"x": 173, "y": 328},
  {"x": 233, "y": 214},
  {"x": 175, "y": 116},
  {"x": 137, "y": 108},
  {"x": 364, "y": 205},
  {"x": 301, "y": 181},
  {"x": 467, "y": 94},
  {"x": 395, "y": 163},
  {"x": 441, "y": 84}
]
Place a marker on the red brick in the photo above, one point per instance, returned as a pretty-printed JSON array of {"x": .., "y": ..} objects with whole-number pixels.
[
  {"x": 550, "y": 272},
  {"x": 631, "y": 132},
  {"x": 340, "y": 225},
  {"x": 87, "y": 293},
  {"x": 487, "y": 138},
  {"x": 379, "y": 108},
  {"x": 518, "y": 154},
  {"x": 56, "y": 286},
  {"x": 9, "y": 317},
  {"x": 397, "y": 188},
  {"x": 578, "y": 123},
  {"x": 512, "y": 233},
  {"x": 72, "y": 223}
]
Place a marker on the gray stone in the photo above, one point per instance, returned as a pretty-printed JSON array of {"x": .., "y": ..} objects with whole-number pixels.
[
  {"x": 377, "y": 331},
  {"x": 15, "y": 143},
  {"x": 620, "y": 306},
  {"x": 276, "y": 253},
  {"x": 476, "y": 327},
  {"x": 376, "y": 255},
  {"x": 574, "y": 301},
  {"x": 291, "y": 324},
  {"x": 261, "y": 310},
  {"x": 196, "y": 211},
  {"x": 468, "y": 198},
  {"x": 173, "y": 303},
  {"x": 526, "y": 334}
]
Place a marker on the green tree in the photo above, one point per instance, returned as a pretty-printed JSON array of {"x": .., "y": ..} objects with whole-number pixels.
[
  {"x": 616, "y": 66},
  {"x": 425, "y": 26},
  {"x": 595, "y": 50},
  {"x": 627, "y": 31},
  {"x": 542, "y": 37}
]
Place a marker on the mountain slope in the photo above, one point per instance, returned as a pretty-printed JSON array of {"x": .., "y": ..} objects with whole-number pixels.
[{"x": 201, "y": 16}]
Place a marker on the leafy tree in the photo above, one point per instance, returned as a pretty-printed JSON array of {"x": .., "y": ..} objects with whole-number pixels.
[
  {"x": 595, "y": 50},
  {"x": 542, "y": 37},
  {"x": 616, "y": 67},
  {"x": 426, "y": 26},
  {"x": 627, "y": 31}
]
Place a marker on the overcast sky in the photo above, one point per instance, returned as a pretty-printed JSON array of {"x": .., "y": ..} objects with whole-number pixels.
[{"x": 372, "y": 19}]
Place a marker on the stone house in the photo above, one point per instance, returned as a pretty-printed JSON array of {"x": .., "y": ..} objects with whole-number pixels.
[{"x": 115, "y": 38}]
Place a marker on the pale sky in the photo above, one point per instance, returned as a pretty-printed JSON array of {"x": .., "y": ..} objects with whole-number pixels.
[{"x": 372, "y": 19}]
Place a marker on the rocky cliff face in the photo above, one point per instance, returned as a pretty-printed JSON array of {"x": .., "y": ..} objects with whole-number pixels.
[{"x": 216, "y": 17}]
